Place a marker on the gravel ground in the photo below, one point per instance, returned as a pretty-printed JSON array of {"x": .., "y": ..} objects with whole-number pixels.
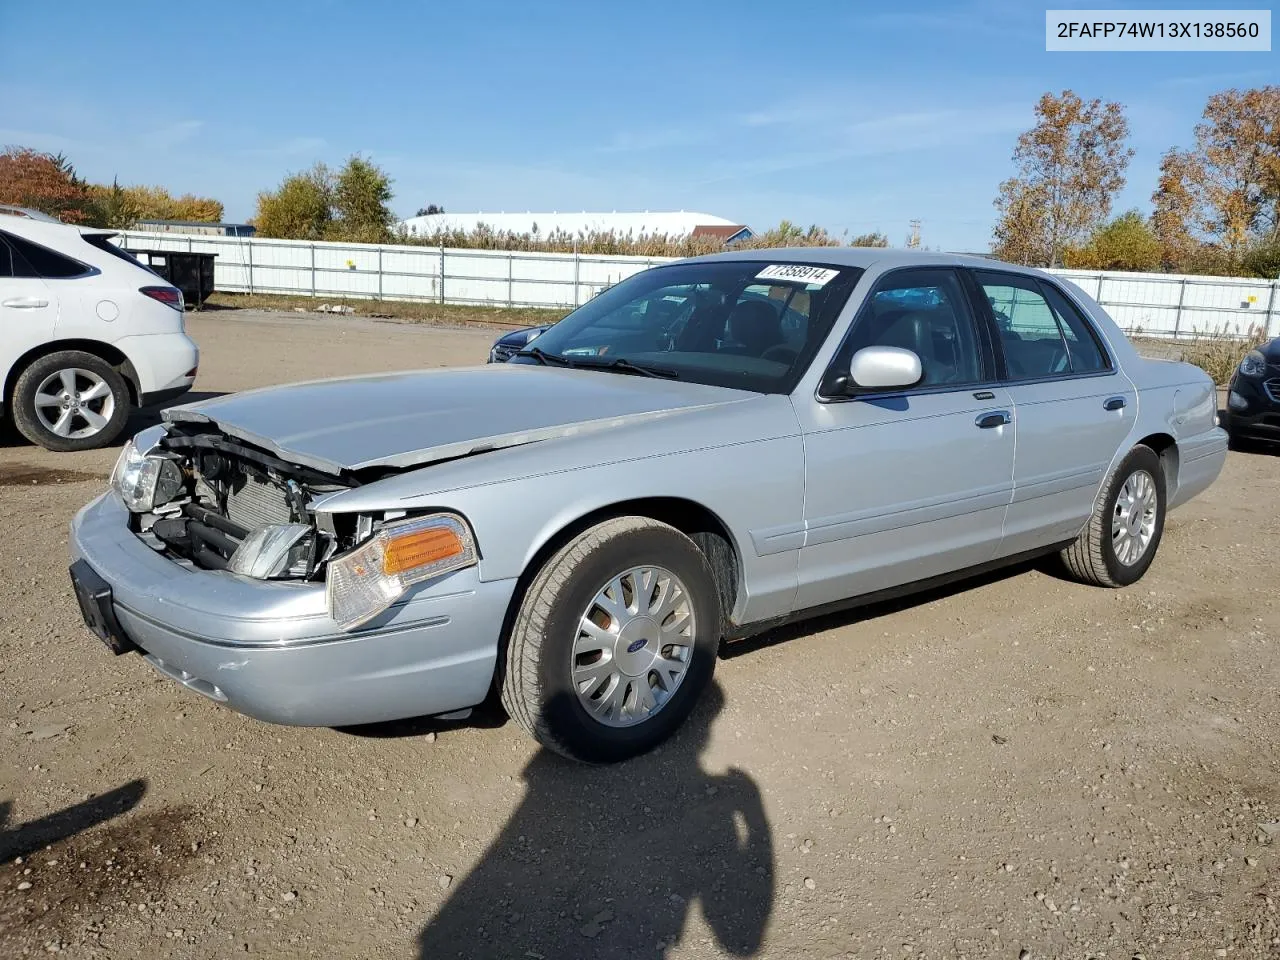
[{"x": 1017, "y": 767}]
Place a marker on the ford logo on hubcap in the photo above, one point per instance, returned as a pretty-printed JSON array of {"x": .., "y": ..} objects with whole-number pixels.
[{"x": 636, "y": 645}]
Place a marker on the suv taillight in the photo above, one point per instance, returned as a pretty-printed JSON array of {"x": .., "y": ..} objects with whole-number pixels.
[{"x": 169, "y": 296}]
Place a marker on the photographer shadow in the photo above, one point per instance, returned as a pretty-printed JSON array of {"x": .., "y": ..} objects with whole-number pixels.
[{"x": 609, "y": 861}]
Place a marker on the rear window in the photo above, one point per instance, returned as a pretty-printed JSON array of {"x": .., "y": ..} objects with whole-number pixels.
[
  {"x": 102, "y": 241},
  {"x": 32, "y": 260}
]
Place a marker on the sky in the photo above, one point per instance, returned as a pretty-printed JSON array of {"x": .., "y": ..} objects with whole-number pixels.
[{"x": 851, "y": 114}]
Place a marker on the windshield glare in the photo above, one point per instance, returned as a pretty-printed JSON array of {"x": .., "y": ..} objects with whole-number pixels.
[{"x": 754, "y": 325}]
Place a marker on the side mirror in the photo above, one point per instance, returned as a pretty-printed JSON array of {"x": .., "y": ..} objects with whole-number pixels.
[{"x": 876, "y": 368}]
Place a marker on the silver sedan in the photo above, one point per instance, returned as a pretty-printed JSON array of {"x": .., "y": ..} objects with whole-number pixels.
[{"x": 705, "y": 450}]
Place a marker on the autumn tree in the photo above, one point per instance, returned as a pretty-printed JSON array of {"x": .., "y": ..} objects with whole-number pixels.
[
  {"x": 1126, "y": 243},
  {"x": 1224, "y": 192},
  {"x": 122, "y": 207},
  {"x": 301, "y": 208},
  {"x": 873, "y": 239},
  {"x": 46, "y": 182},
  {"x": 1070, "y": 166}
]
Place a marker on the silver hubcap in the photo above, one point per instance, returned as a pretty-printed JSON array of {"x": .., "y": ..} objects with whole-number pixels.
[
  {"x": 1134, "y": 520},
  {"x": 74, "y": 403},
  {"x": 634, "y": 645}
]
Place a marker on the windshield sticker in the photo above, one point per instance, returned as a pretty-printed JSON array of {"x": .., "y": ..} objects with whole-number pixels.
[{"x": 798, "y": 273}]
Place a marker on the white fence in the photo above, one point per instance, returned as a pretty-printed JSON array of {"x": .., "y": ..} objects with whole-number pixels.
[{"x": 1153, "y": 304}]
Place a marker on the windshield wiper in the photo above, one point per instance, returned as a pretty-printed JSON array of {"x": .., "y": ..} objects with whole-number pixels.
[
  {"x": 547, "y": 359},
  {"x": 623, "y": 365}
]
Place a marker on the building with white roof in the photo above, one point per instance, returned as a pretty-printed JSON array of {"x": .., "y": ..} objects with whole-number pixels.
[{"x": 650, "y": 223}]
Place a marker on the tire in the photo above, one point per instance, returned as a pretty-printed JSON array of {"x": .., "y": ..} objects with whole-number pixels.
[
  {"x": 1093, "y": 558},
  {"x": 95, "y": 424},
  {"x": 536, "y": 675}
]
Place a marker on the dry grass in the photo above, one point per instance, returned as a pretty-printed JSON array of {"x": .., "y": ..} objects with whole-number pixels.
[
  {"x": 445, "y": 314},
  {"x": 1218, "y": 355}
]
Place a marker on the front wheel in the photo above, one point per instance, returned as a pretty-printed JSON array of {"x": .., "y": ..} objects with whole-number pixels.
[
  {"x": 614, "y": 641},
  {"x": 1121, "y": 538}
]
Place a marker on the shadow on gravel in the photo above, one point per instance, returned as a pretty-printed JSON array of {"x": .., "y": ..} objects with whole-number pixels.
[
  {"x": 29, "y": 837},
  {"x": 487, "y": 716},
  {"x": 608, "y": 861}
]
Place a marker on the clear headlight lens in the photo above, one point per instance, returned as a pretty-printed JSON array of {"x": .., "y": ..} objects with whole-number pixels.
[
  {"x": 143, "y": 481},
  {"x": 364, "y": 582},
  {"x": 1254, "y": 364},
  {"x": 273, "y": 550},
  {"x": 1237, "y": 402}
]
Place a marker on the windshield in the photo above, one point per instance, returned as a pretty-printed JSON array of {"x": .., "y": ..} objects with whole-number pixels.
[{"x": 749, "y": 324}]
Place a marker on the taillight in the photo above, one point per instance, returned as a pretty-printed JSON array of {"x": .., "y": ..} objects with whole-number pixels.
[{"x": 169, "y": 296}]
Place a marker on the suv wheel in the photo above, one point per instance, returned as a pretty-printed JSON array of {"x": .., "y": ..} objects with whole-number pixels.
[
  {"x": 70, "y": 400},
  {"x": 614, "y": 641}
]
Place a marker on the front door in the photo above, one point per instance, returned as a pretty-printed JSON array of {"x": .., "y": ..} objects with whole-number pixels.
[
  {"x": 1072, "y": 406},
  {"x": 909, "y": 484},
  {"x": 28, "y": 308}
]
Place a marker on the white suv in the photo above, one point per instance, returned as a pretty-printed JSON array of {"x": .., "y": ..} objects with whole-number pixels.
[{"x": 87, "y": 333}]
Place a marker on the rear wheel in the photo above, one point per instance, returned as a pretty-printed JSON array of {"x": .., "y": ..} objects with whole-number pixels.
[
  {"x": 614, "y": 641},
  {"x": 1120, "y": 540},
  {"x": 70, "y": 400}
]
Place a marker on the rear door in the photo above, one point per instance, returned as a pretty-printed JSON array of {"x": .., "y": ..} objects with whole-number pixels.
[
  {"x": 908, "y": 484},
  {"x": 28, "y": 308},
  {"x": 1072, "y": 407}
]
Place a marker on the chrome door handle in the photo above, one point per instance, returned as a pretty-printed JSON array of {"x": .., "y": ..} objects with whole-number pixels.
[
  {"x": 25, "y": 303},
  {"x": 1114, "y": 403},
  {"x": 994, "y": 418}
]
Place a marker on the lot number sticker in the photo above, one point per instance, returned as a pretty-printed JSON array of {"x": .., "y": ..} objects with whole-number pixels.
[{"x": 798, "y": 273}]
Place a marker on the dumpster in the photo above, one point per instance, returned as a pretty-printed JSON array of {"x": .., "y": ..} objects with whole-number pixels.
[{"x": 192, "y": 273}]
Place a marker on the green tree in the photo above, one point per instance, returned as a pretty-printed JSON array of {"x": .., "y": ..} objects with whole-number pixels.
[
  {"x": 1126, "y": 243},
  {"x": 361, "y": 203},
  {"x": 301, "y": 208},
  {"x": 1069, "y": 167},
  {"x": 114, "y": 206}
]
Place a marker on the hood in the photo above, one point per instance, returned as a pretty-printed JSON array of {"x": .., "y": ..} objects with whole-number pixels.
[
  {"x": 1271, "y": 350},
  {"x": 408, "y": 419}
]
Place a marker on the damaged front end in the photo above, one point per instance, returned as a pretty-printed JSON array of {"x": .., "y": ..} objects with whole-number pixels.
[{"x": 214, "y": 502}]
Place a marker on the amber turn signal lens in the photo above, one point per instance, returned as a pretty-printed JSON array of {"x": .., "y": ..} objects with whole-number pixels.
[{"x": 412, "y": 550}]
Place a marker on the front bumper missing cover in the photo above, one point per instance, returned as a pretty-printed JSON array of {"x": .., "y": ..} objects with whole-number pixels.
[{"x": 270, "y": 650}]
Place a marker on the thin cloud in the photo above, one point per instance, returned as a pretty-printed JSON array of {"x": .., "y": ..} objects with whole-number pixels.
[
  {"x": 1214, "y": 79},
  {"x": 173, "y": 134}
]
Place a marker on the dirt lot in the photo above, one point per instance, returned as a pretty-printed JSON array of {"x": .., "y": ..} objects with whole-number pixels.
[{"x": 1020, "y": 767}]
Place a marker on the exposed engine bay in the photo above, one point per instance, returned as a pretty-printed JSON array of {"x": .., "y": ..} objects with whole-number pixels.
[{"x": 225, "y": 490}]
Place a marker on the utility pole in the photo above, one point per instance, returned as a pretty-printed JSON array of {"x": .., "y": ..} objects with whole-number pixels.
[{"x": 913, "y": 238}]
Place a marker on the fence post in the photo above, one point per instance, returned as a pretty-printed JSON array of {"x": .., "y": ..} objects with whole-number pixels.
[
  {"x": 511, "y": 260},
  {"x": 313, "y": 269},
  {"x": 379, "y": 273},
  {"x": 250, "y": 245},
  {"x": 577, "y": 294},
  {"x": 1271, "y": 306},
  {"x": 442, "y": 274},
  {"x": 1182, "y": 298}
]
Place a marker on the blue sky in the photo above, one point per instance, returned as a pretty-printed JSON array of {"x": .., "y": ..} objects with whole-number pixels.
[{"x": 854, "y": 115}]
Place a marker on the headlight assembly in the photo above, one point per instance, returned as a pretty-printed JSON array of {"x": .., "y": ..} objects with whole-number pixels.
[
  {"x": 1254, "y": 364},
  {"x": 364, "y": 582},
  {"x": 143, "y": 481}
]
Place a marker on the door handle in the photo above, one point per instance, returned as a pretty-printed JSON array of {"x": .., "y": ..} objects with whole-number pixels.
[
  {"x": 1114, "y": 403},
  {"x": 994, "y": 418},
  {"x": 24, "y": 303}
]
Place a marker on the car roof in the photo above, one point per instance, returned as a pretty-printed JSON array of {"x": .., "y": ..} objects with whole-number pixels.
[
  {"x": 43, "y": 227},
  {"x": 863, "y": 257}
]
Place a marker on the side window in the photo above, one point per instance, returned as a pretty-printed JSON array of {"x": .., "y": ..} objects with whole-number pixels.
[
  {"x": 927, "y": 312},
  {"x": 1028, "y": 328},
  {"x": 1086, "y": 353},
  {"x": 6, "y": 260},
  {"x": 32, "y": 260}
]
